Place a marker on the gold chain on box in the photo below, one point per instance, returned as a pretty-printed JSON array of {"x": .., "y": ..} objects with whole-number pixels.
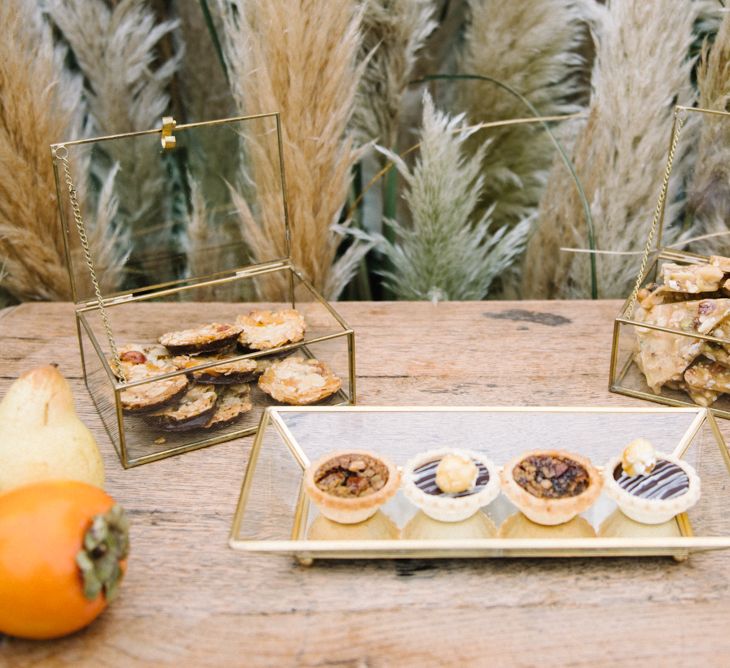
[
  {"x": 61, "y": 153},
  {"x": 679, "y": 119}
]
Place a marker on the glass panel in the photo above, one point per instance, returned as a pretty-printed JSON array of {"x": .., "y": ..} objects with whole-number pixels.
[
  {"x": 157, "y": 216},
  {"x": 500, "y": 435}
]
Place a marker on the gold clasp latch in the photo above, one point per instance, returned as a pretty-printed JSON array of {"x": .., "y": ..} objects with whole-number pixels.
[{"x": 168, "y": 139}]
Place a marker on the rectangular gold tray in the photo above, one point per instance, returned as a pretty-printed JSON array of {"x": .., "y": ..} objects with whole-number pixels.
[{"x": 274, "y": 515}]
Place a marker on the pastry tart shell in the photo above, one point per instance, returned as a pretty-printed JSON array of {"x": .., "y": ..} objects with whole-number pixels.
[
  {"x": 652, "y": 511},
  {"x": 551, "y": 511},
  {"x": 350, "y": 510},
  {"x": 448, "y": 508}
]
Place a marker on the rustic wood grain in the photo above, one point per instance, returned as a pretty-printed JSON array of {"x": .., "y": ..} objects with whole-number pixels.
[{"x": 188, "y": 600}]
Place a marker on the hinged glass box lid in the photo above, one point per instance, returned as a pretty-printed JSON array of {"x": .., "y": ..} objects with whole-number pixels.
[
  {"x": 671, "y": 339},
  {"x": 673, "y": 507},
  {"x": 191, "y": 315}
]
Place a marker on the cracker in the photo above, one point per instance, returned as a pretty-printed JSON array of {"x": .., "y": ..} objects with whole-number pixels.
[
  {"x": 204, "y": 339},
  {"x": 299, "y": 381},
  {"x": 265, "y": 330}
]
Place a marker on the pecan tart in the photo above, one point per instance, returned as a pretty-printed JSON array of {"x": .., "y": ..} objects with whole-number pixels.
[
  {"x": 349, "y": 486},
  {"x": 192, "y": 411},
  {"x": 551, "y": 486},
  {"x": 265, "y": 330},
  {"x": 225, "y": 373},
  {"x": 299, "y": 381},
  {"x": 654, "y": 493},
  {"x": 233, "y": 401},
  {"x": 142, "y": 362},
  {"x": 450, "y": 485},
  {"x": 204, "y": 339}
]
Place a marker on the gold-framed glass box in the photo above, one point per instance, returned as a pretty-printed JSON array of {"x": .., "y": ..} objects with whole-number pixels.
[
  {"x": 274, "y": 514},
  {"x": 671, "y": 339},
  {"x": 152, "y": 223}
]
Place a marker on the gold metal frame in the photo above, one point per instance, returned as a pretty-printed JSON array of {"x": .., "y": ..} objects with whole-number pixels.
[
  {"x": 84, "y": 307},
  {"x": 649, "y": 268},
  {"x": 307, "y": 550}
]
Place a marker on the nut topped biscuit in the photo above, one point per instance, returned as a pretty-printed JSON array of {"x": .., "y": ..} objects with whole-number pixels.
[
  {"x": 142, "y": 362},
  {"x": 264, "y": 330},
  {"x": 233, "y": 401},
  {"x": 228, "y": 372},
  {"x": 206, "y": 338},
  {"x": 193, "y": 410},
  {"x": 299, "y": 381}
]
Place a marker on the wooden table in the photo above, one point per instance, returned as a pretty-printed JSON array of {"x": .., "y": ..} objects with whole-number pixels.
[{"x": 188, "y": 600}]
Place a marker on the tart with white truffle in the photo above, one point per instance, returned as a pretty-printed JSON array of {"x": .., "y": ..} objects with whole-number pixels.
[
  {"x": 299, "y": 381},
  {"x": 192, "y": 411},
  {"x": 551, "y": 486},
  {"x": 349, "y": 486},
  {"x": 450, "y": 485},
  {"x": 266, "y": 330},
  {"x": 144, "y": 362},
  {"x": 648, "y": 486},
  {"x": 204, "y": 339}
]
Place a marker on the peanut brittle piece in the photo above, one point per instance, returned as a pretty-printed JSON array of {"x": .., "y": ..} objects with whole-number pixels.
[
  {"x": 695, "y": 316},
  {"x": 692, "y": 278},
  {"x": 707, "y": 375},
  {"x": 721, "y": 262},
  {"x": 701, "y": 397}
]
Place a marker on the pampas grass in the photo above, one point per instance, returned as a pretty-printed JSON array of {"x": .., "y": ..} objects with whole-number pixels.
[
  {"x": 441, "y": 255},
  {"x": 299, "y": 57},
  {"x": 40, "y": 103},
  {"x": 641, "y": 71},
  {"x": 532, "y": 46},
  {"x": 394, "y": 31},
  {"x": 709, "y": 193},
  {"x": 126, "y": 89}
]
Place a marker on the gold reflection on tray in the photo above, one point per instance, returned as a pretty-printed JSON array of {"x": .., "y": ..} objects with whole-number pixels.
[
  {"x": 518, "y": 526},
  {"x": 422, "y": 527},
  {"x": 378, "y": 527},
  {"x": 617, "y": 525}
]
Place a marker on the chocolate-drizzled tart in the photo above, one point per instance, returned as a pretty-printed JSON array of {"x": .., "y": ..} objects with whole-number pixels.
[
  {"x": 450, "y": 484},
  {"x": 233, "y": 401},
  {"x": 349, "y": 486},
  {"x": 655, "y": 494},
  {"x": 551, "y": 486},
  {"x": 204, "y": 339}
]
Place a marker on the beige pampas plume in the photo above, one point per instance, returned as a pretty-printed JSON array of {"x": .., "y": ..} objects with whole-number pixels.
[
  {"x": 40, "y": 103},
  {"x": 642, "y": 70},
  {"x": 441, "y": 255},
  {"x": 126, "y": 89},
  {"x": 394, "y": 31},
  {"x": 533, "y": 47},
  {"x": 709, "y": 192},
  {"x": 299, "y": 57}
]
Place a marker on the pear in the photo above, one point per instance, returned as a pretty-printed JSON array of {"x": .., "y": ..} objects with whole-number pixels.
[{"x": 41, "y": 437}]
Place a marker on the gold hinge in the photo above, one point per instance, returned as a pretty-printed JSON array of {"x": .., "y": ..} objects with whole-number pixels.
[{"x": 168, "y": 139}]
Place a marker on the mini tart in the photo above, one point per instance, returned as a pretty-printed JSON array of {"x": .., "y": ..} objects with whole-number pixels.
[
  {"x": 265, "y": 330},
  {"x": 299, "y": 381},
  {"x": 420, "y": 488},
  {"x": 671, "y": 488},
  {"x": 204, "y": 339},
  {"x": 142, "y": 362},
  {"x": 233, "y": 401},
  {"x": 194, "y": 410},
  {"x": 349, "y": 486},
  {"x": 551, "y": 486},
  {"x": 226, "y": 373}
]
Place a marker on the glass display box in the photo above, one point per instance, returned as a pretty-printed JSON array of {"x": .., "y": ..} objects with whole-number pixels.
[{"x": 175, "y": 229}]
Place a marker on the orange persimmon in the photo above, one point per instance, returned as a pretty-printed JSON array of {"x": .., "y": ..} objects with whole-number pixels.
[{"x": 63, "y": 547}]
